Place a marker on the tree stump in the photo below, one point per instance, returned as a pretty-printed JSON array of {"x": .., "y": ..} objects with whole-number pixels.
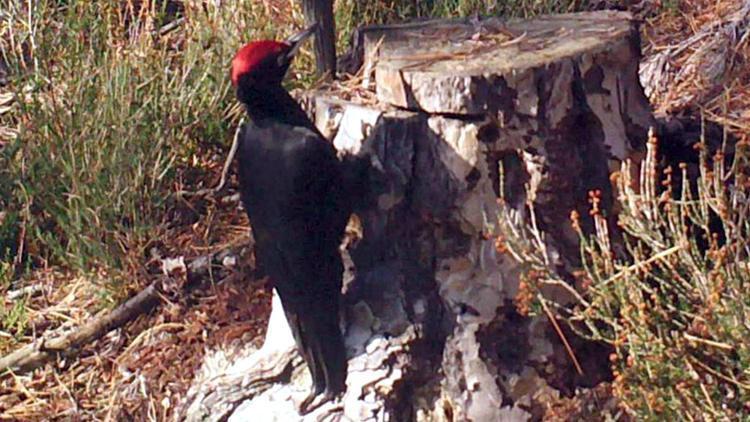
[{"x": 430, "y": 324}]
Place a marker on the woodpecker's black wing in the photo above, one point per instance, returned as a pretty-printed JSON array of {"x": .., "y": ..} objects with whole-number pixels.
[{"x": 291, "y": 186}]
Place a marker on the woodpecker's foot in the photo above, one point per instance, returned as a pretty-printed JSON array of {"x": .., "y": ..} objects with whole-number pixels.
[
  {"x": 306, "y": 405},
  {"x": 314, "y": 401}
]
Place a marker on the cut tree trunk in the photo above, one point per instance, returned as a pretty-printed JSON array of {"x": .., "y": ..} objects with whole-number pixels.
[{"x": 431, "y": 329}]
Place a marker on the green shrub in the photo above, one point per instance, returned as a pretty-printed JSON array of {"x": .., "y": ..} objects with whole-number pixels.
[
  {"x": 674, "y": 307},
  {"x": 107, "y": 110}
]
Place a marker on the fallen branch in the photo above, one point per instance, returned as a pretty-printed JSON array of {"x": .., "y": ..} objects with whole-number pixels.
[
  {"x": 194, "y": 275},
  {"x": 224, "y": 171},
  {"x": 36, "y": 354},
  {"x": 171, "y": 26}
]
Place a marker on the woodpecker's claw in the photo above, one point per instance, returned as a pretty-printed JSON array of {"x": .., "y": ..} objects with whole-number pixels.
[
  {"x": 309, "y": 403},
  {"x": 314, "y": 401}
]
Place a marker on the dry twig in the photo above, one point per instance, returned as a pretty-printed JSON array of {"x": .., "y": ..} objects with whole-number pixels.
[{"x": 37, "y": 353}]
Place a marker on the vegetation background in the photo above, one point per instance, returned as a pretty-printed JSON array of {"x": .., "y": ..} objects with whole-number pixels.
[{"x": 113, "y": 112}]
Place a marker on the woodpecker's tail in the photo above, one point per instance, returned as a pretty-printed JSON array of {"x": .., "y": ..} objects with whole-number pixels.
[{"x": 315, "y": 327}]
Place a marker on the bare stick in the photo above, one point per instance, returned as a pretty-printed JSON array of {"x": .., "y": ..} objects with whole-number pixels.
[
  {"x": 230, "y": 157},
  {"x": 321, "y": 11},
  {"x": 561, "y": 335},
  {"x": 225, "y": 169},
  {"x": 36, "y": 354}
]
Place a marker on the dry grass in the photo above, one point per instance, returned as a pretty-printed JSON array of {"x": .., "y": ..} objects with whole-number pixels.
[
  {"x": 143, "y": 370},
  {"x": 100, "y": 129},
  {"x": 698, "y": 54},
  {"x": 166, "y": 131}
]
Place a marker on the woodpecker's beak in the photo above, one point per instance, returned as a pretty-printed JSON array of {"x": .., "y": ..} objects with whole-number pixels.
[{"x": 296, "y": 40}]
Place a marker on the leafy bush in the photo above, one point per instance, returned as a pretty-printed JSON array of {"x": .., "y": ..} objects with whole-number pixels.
[{"x": 674, "y": 303}]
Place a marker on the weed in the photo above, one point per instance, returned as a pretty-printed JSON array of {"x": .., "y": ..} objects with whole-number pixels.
[
  {"x": 672, "y": 302},
  {"x": 106, "y": 110}
]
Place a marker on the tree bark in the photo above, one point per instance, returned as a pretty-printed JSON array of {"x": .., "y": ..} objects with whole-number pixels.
[
  {"x": 431, "y": 329},
  {"x": 321, "y": 11}
]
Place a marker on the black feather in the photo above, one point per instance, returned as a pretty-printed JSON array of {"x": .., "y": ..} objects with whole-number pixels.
[{"x": 293, "y": 189}]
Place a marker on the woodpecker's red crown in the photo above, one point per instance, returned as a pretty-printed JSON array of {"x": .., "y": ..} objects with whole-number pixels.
[
  {"x": 267, "y": 61},
  {"x": 255, "y": 55}
]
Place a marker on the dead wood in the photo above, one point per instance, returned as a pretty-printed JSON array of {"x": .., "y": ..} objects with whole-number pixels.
[
  {"x": 179, "y": 279},
  {"x": 321, "y": 11},
  {"x": 549, "y": 103},
  {"x": 689, "y": 73},
  {"x": 220, "y": 394}
]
